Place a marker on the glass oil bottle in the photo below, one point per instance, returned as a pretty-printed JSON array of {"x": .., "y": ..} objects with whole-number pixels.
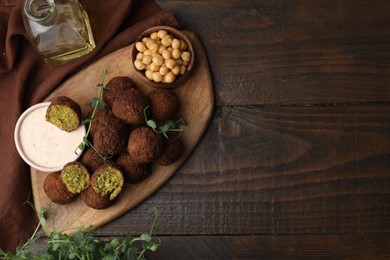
[{"x": 58, "y": 29}]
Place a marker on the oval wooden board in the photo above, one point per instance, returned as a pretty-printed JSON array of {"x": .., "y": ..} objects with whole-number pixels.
[{"x": 197, "y": 103}]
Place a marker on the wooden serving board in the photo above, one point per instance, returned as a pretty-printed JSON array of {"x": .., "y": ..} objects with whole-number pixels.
[{"x": 197, "y": 102}]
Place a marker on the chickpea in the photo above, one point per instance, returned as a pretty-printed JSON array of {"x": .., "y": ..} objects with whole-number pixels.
[
  {"x": 154, "y": 36},
  {"x": 157, "y": 59},
  {"x": 139, "y": 65},
  {"x": 148, "y": 43},
  {"x": 161, "y": 49},
  {"x": 166, "y": 41},
  {"x": 157, "y": 77},
  {"x": 154, "y": 47},
  {"x": 154, "y": 67},
  {"x": 183, "y": 69},
  {"x": 140, "y": 56},
  {"x": 163, "y": 70},
  {"x": 147, "y": 59},
  {"x": 186, "y": 56},
  {"x": 169, "y": 78},
  {"x": 162, "y": 33},
  {"x": 170, "y": 63},
  {"x": 145, "y": 39},
  {"x": 140, "y": 46},
  {"x": 179, "y": 62},
  {"x": 176, "y": 54},
  {"x": 176, "y": 43},
  {"x": 183, "y": 45},
  {"x": 176, "y": 70},
  {"x": 166, "y": 55},
  {"x": 148, "y": 52},
  {"x": 149, "y": 74}
]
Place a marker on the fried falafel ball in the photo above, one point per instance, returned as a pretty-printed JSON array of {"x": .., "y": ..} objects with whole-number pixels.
[
  {"x": 174, "y": 149},
  {"x": 75, "y": 177},
  {"x": 91, "y": 159},
  {"x": 130, "y": 107},
  {"x": 64, "y": 113},
  {"x": 164, "y": 104},
  {"x": 55, "y": 189},
  {"x": 117, "y": 87},
  {"x": 111, "y": 139},
  {"x": 108, "y": 180},
  {"x": 145, "y": 145},
  {"x": 104, "y": 118},
  {"x": 133, "y": 172},
  {"x": 95, "y": 200},
  {"x": 108, "y": 133}
]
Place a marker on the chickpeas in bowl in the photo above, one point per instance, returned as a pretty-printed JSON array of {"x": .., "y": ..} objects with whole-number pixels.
[{"x": 163, "y": 57}]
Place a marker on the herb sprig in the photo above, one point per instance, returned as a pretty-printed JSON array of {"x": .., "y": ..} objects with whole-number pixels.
[
  {"x": 165, "y": 127},
  {"x": 86, "y": 245},
  {"x": 97, "y": 103}
]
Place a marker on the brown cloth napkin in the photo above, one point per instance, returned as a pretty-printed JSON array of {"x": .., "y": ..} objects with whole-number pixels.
[{"x": 25, "y": 80}]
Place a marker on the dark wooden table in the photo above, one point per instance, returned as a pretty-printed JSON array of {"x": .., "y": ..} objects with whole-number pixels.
[{"x": 296, "y": 160}]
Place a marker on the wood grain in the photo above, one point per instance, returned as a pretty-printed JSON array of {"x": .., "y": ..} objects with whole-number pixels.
[
  {"x": 293, "y": 52},
  {"x": 197, "y": 102},
  {"x": 280, "y": 170},
  {"x": 270, "y": 247},
  {"x": 274, "y": 247}
]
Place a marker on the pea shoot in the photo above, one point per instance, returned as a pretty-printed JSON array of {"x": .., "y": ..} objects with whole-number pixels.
[
  {"x": 97, "y": 103},
  {"x": 86, "y": 245},
  {"x": 165, "y": 127}
]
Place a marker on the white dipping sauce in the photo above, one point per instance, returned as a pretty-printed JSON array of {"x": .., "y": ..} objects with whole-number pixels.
[{"x": 45, "y": 144}]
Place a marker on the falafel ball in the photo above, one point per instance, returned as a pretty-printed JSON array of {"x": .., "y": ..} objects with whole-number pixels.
[
  {"x": 108, "y": 180},
  {"x": 91, "y": 159},
  {"x": 55, "y": 189},
  {"x": 64, "y": 113},
  {"x": 104, "y": 118},
  {"x": 75, "y": 177},
  {"x": 133, "y": 172},
  {"x": 117, "y": 87},
  {"x": 145, "y": 145},
  {"x": 95, "y": 200},
  {"x": 164, "y": 104},
  {"x": 173, "y": 151},
  {"x": 130, "y": 107},
  {"x": 111, "y": 139}
]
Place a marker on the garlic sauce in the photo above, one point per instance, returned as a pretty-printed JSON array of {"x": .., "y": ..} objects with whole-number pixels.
[{"x": 45, "y": 144}]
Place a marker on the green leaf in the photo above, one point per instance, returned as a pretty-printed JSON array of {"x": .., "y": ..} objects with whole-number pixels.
[
  {"x": 146, "y": 237},
  {"x": 81, "y": 146},
  {"x": 42, "y": 216},
  {"x": 151, "y": 123},
  {"x": 88, "y": 120},
  {"x": 94, "y": 101},
  {"x": 101, "y": 105},
  {"x": 114, "y": 243}
]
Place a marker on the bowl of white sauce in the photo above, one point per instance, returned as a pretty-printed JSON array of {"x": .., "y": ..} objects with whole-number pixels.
[{"x": 41, "y": 144}]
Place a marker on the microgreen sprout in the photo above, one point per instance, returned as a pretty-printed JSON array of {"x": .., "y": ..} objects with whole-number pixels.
[
  {"x": 165, "y": 127},
  {"x": 97, "y": 103},
  {"x": 86, "y": 245}
]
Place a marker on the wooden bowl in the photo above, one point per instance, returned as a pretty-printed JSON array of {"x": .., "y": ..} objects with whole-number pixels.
[{"x": 176, "y": 34}]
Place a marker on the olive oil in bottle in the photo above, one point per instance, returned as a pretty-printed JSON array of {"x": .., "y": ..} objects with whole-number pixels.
[{"x": 58, "y": 29}]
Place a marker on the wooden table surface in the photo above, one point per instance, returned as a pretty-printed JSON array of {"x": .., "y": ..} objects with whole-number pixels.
[{"x": 296, "y": 160}]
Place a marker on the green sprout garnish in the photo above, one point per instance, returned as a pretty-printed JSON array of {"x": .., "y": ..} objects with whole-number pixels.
[
  {"x": 85, "y": 245},
  {"x": 165, "y": 127},
  {"x": 97, "y": 103}
]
